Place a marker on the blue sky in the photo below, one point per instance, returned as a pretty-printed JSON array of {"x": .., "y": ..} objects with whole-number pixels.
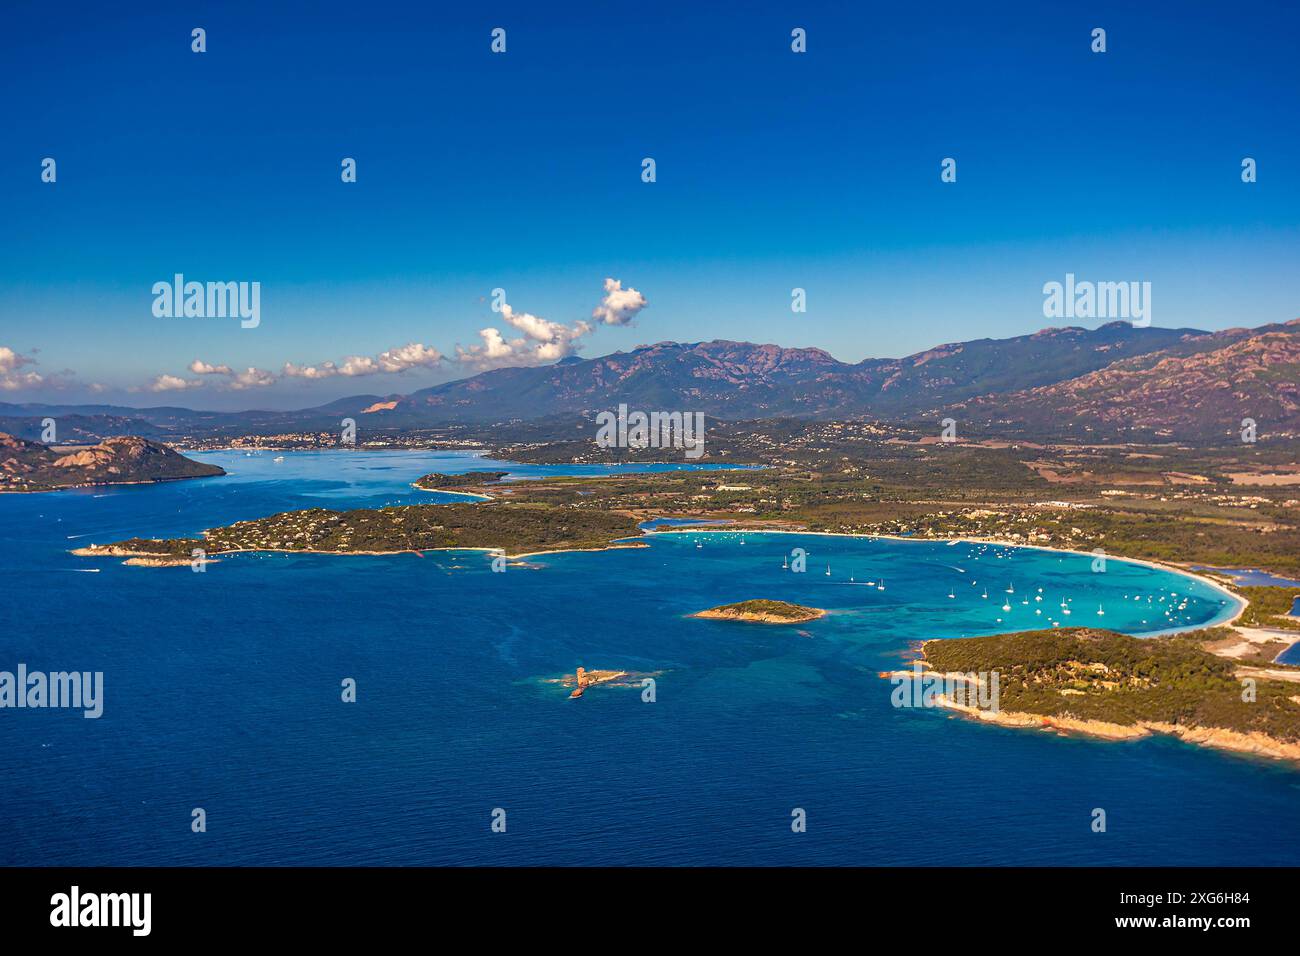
[{"x": 523, "y": 171}]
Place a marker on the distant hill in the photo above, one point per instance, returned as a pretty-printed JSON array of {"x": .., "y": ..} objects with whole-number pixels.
[
  {"x": 92, "y": 422},
  {"x": 1108, "y": 382},
  {"x": 1198, "y": 390},
  {"x": 740, "y": 380},
  {"x": 31, "y": 466}
]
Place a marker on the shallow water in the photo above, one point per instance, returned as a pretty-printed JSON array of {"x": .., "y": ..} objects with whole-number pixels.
[{"x": 223, "y": 692}]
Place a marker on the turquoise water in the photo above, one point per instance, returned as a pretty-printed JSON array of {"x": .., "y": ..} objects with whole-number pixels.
[
  {"x": 1252, "y": 577},
  {"x": 223, "y": 692}
]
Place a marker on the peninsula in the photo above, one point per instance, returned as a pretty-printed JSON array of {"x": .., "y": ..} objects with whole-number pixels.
[
  {"x": 30, "y": 466},
  {"x": 516, "y": 529},
  {"x": 1110, "y": 685},
  {"x": 434, "y": 481}
]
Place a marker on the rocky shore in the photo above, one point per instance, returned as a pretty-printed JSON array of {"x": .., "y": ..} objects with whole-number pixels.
[{"x": 1100, "y": 695}]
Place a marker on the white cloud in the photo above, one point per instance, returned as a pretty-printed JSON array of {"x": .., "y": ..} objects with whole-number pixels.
[
  {"x": 544, "y": 341},
  {"x": 323, "y": 370},
  {"x": 173, "y": 383},
  {"x": 619, "y": 306},
  {"x": 252, "y": 378},
  {"x": 10, "y": 378},
  {"x": 410, "y": 355},
  {"x": 11, "y": 360},
  {"x": 199, "y": 367},
  {"x": 391, "y": 361}
]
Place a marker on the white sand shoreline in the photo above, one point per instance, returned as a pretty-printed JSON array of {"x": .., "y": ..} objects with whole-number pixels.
[{"x": 1235, "y": 599}]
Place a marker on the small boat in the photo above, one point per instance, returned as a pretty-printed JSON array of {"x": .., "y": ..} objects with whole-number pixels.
[
  {"x": 1011, "y": 589},
  {"x": 951, "y": 594},
  {"x": 1100, "y": 612},
  {"x": 881, "y": 585},
  {"x": 278, "y": 458},
  {"x": 985, "y": 594},
  {"x": 1006, "y": 607},
  {"x": 828, "y": 570},
  {"x": 785, "y": 564}
]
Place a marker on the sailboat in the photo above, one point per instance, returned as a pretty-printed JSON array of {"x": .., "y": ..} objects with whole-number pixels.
[
  {"x": 1100, "y": 612},
  {"x": 1011, "y": 589},
  {"x": 785, "y": 564},
  {"x": 951, "y": 594},
  {"x": 1007, "y": 606},
  {"x": 881, "y": 585},
  {"x": 828, "y": 570},
  {"x": 985, "y": 594}
]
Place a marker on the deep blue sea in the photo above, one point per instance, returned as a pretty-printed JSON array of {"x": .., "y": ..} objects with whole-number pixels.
[{"x": 223, "y": 691}]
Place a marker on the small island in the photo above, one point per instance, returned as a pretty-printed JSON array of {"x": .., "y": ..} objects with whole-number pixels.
[
  {"x": 584, "y": 678},
  {"x": 763, "y": 612},
  {"x": 1114, "y": 686},
  {"x": 435, "y": 481}
]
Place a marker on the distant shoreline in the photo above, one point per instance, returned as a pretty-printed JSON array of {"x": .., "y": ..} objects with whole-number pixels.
[
  {"x": 86, "y": 552},
  {"x": 105, "y": 484}
]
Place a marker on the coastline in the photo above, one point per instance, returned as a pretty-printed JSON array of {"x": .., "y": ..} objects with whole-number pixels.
[
  {"x": 1239, "y": 603},
  {"x": 1237, "y": 600},
  {"x": 1220, "y": 738},
  {"x": 167, "y": 561},
  {"x": 106, "y": 484},
  {"x": 448, "y": 491}
]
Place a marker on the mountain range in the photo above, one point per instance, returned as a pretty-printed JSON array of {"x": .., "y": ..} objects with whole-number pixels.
[{"x": 1115, "y": 380}]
